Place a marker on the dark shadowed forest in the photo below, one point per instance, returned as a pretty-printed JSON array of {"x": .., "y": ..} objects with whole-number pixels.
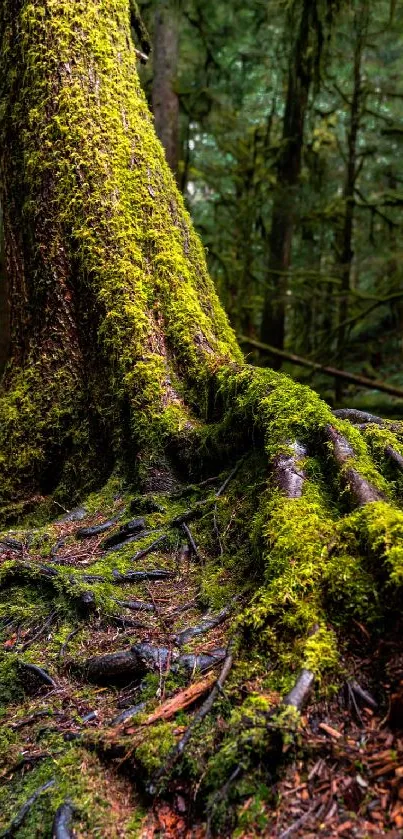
[{"x": 201, "y": 419}]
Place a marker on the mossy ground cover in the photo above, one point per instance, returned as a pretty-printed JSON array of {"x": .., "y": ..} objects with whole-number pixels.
[{"x": 304, "y": 571}]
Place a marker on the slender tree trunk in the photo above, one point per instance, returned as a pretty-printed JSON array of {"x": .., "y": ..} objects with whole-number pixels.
[
  {"x": 4, "y": 304},
  {"x": 289, "y": 169},
  {"x": 345, "y": 247},
  {"x": 165, "y": 99}
]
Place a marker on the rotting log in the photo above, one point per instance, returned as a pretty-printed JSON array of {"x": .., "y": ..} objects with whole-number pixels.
[{"x": 143, "y": 657}]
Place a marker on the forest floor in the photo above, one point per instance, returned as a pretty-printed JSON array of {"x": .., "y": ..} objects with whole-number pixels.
[{"x": 342, "y": 776}]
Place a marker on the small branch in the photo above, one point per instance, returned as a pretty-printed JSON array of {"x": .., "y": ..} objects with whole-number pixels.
[
  {"x": 23, "y": 812},
  {"x": 136, "y": 605},
  {"x": 128, "y": 714},
  {"x": 360, "y": 381},
  {"x": 229, "y": 478},
  {"x": 141, "y": 56},
  {"x": 204, "y": 626},
  {"x": 192, "y": 543}
]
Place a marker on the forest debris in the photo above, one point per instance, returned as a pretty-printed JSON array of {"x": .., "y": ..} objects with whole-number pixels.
[
  {"x": 142, "y": 657},
  {"x": 128, "y": 714},
  {"x": 150, "y": 548},
  {"x": 136, "y": 605},
  {"x": 77, "y": 514},
  {"x": 69, "y": 637},
  {"x": 192, "y": 543},
  {"x": 124, "y": 534},
  {"x": 363, "y": 695},
  {"x": 96, "y": 529},
  {"x": 24, "y": 810},
  {"x": 360, "y": 381},
  {"x": 62, "y": 820},
  {"x": 328, "y": 729},
  {"x": 138, "y": 576},
  {"x": 7, "y": 543},
  {"x": 181, "y": 700},
  {"x": 229, "y": 478},
  {"x": 201, "y": 714},
  {"x": 39, "y": 672}
]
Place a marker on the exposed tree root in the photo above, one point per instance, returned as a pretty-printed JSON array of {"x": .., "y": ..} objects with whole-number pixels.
[{"x": 62, "y": 822}]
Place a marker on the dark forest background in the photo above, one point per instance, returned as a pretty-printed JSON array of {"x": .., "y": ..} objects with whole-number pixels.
[{"x": 284, "y": 124}]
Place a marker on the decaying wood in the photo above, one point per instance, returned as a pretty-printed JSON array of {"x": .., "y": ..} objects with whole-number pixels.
[
  {"x": 361, "y": 490},
  {"x": 142, "y": 657},
  {"x": 181, "y": 700},
  {"x": 96, "y": 529},
  {"x": 288, "y": 474},
  {"x": 127, "y": 533},
  {"x": 24, "y": 810},
  {"x": 39, "y": 672},
  {"x": 205, "y": 709},
  {"x": 62, "y": 821},
  {"x": 360, "y": 381}
]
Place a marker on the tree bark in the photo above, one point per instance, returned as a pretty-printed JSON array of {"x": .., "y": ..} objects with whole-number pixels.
[
  {"x": 4, "y": 304},
  {"x": 345, "y": 245},
  {"x": 116, "y": 325},
  {"x": 165, "y": 100}
]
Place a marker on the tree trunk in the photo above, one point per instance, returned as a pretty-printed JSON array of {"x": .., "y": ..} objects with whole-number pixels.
[
  {"x": 4, "y": 304},
  {"x": 116, "y": 326},
  {"x": 165, "y": 100},
  {"x": 288, "y": 173},
  {"x": 345, "y": 245}
]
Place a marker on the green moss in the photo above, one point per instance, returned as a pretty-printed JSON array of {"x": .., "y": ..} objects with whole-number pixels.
[{"x": 158, "y": 742}]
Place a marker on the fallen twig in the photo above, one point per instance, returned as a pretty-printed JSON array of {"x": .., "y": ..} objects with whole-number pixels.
[
  {"x": 192, "y": 543},
  {"x": 38, "y": 671},
  {"x": 24, "y": 810},
  {"x": 204, "y": 626}
]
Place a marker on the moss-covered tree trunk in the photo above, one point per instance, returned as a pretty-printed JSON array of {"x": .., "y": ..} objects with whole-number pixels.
[{"x": 116, "y": 327}]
